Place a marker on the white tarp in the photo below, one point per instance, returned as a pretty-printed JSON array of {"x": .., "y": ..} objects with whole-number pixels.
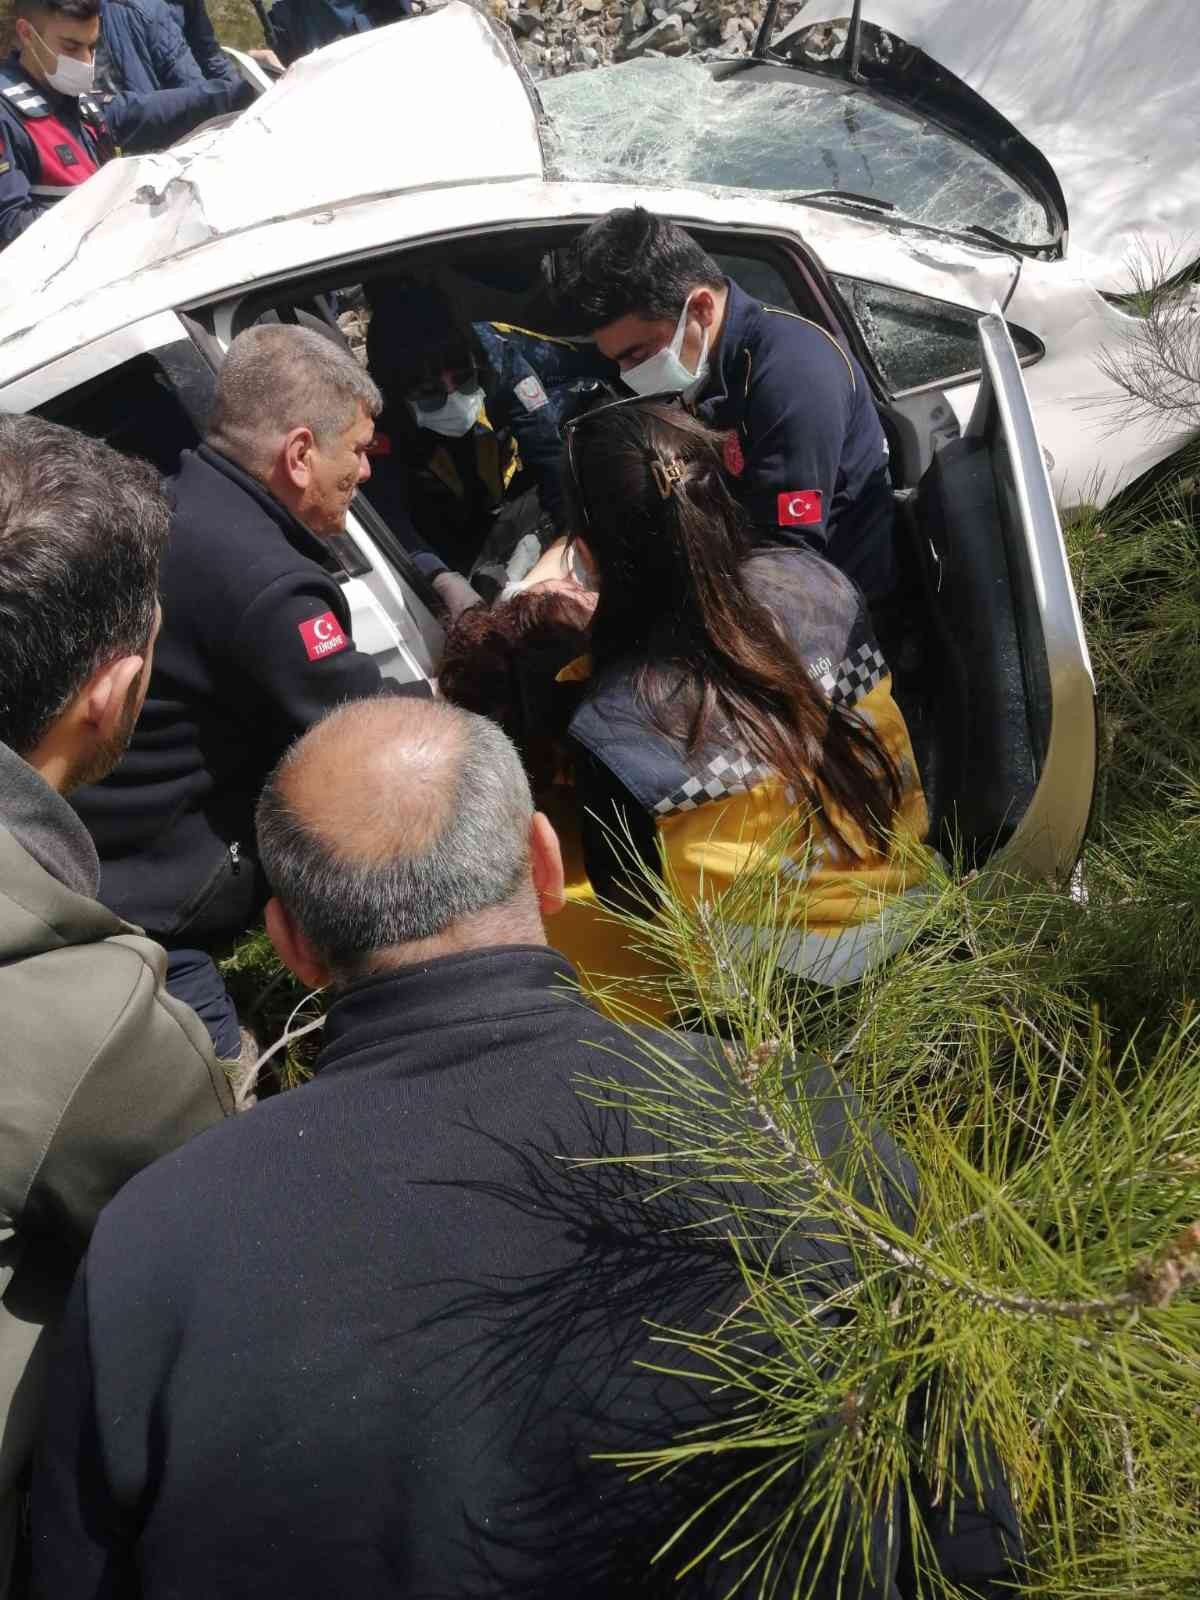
[
  {"x": 1109, "y": 92},
  {"x": 370, "y": 115}
]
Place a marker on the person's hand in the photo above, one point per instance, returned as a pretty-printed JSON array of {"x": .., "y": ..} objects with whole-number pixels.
[
  {"x": 269, "y": 61},
  {"x": 456, "y": 594}
]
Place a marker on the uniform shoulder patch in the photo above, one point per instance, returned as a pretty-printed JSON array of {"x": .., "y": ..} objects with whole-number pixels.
[
  {"x": 800, "y": 508},
  {"x": 323, "y": 636},
  {"x": 731, "y": 449},
  {"x": 531, "y": 394},
  {"x": 23, "y": 97}
]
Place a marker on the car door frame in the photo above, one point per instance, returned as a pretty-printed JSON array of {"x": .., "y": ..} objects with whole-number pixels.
[{"x": 1047, "y": 840}]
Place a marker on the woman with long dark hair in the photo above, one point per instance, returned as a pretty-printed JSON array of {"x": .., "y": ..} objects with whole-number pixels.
[
  {"x": 732, "y": 711},
  {"x": 739, "y": 710}
]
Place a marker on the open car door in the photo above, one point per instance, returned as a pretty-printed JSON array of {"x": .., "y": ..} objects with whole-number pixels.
[{"x": 1006, "y": 729}]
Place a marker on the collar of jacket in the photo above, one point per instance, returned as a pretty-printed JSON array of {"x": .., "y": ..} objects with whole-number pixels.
[
  {"x": 45, "y": 826},
  {"x": 730, "y": 359},
  {"x": 62, "y": 107},
  {"x": 297, "y": 535},
  {"x": 504, "y": 981}
]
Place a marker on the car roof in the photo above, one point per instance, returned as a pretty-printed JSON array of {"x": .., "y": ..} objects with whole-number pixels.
[
  {"x": 1109, "y": 93},
  {"x": 387, "y": 112}
]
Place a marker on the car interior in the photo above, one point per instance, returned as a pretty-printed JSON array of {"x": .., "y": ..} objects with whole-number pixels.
[{"x": 969, "y": 661}]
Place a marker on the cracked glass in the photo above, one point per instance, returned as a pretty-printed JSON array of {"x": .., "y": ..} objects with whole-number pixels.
[
  {"x": 916, "y": 339},
  {"x": 671, "y": 122}
]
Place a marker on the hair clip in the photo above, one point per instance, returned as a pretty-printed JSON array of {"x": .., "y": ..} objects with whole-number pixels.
[{"x": 666, "y": 475}]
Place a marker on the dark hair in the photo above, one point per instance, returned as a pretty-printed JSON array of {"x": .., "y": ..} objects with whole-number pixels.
[
  {"x": 79, "y": 10},
  {"x": 413, "y": 333},
  {"x": 502, "y": 662},
  {"x": 82, "y": 531},
  {"x": 669, "y": 544},
  {"x": 632, "y": 261}
]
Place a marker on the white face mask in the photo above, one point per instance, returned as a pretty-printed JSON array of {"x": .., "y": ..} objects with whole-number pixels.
[
  {"x": 458, "y": 416},
  {"x": 69, "y": 77},
  {"x": 665, "y": 373}
]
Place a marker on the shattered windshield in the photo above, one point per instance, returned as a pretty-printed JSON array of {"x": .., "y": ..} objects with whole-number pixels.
[{"x": 672, "y": 122}]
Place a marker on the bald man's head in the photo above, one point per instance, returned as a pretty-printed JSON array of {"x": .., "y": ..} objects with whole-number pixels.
[{"x": 392, "y": 822}]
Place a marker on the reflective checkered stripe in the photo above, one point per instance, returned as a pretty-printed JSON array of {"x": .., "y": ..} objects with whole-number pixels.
[
  {"x": 854, "y": 678},
  {"x": 728, "y": 773}
]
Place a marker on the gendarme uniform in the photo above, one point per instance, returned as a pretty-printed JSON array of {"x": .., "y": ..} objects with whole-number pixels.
[
  {"x": 715, "y": 813},
  {"x": 49, "y": 143}
]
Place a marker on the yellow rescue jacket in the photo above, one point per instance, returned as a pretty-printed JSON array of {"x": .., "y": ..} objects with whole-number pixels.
[{"x": 715, "y": 816}]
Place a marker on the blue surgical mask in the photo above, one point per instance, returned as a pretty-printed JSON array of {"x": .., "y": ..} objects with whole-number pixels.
[
  {"x": 456, "y": 417},
  {"x": 665, "y": 373}
]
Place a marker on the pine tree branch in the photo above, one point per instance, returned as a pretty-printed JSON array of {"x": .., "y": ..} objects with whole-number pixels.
[{"x": 1150, "y": 1284}]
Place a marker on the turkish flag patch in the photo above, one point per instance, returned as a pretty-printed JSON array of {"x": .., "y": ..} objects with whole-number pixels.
[
  {"x": 323, "y": 636},
  {"x": 735, "y": 461},
  {"x": 799, "y": 508}
]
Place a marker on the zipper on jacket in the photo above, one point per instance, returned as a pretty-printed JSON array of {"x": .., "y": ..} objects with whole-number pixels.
[{"x": 235, "y": 857}]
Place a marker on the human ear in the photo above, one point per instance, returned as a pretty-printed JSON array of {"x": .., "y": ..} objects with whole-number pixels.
[
  {"x": 703, "y": 307},
  {"x": 546, "y": 865},
  {"x": 107, "y": 695},
  {"x": 297, "y": 454},
  {"x": 293, "y": 948}
]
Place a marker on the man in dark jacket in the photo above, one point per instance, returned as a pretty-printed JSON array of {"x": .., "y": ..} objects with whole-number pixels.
[
  {"x": 102, "y": 1071},
  {"x": 374, "y": 1338},
  {"x": 804, "y": 441},
  {"x": 196, "y": 26},
  {"x": 299, "y": 26},
  {"x": 154, "y": 91},
  {"x": 256, "y": 645}
]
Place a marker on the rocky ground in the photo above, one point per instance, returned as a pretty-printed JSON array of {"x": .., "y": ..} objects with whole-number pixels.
[{"x": 557, "y": 36}]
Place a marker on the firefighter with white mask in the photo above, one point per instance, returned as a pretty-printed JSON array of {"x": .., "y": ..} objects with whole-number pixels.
[{"x": 804, "y": 447}]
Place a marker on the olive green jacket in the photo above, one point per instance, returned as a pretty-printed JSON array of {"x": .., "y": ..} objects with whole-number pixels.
[{"x": 101, "y": 1072}]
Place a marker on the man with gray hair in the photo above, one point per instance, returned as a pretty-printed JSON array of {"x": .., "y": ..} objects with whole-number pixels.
[
  {"x": 255, "y": 647},
  {"x": 389, "y": 1324}
]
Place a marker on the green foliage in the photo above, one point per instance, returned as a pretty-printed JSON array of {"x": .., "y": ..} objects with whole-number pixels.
[{"x": 1043, "y": 1303}]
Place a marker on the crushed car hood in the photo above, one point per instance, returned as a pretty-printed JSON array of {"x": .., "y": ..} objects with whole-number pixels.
[
  {"x": 1109, "y": 93},
  {"x": 371, "y": 115}
]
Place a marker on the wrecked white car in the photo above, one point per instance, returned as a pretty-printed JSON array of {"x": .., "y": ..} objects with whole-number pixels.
[{"x": 118, "y": 306}]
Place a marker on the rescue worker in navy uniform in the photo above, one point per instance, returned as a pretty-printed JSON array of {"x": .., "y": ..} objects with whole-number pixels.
[
  {"x": 255, "y": 646},
  {"x": 468, "y": 447},
  {"x": 803, "y": 439},
  {"x": 53, "y": 133},
  {"x": 84, "y": 81}
]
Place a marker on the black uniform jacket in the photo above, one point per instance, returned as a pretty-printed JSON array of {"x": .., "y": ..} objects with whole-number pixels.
[
  {"x": 806, "y": 447},
  {"x": 369, "y": 1339},
  {"x": 255, "y": 647}
]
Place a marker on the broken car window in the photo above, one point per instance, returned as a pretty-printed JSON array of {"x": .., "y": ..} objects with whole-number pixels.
[
  {"x": 917, "y": 340},
  {"x": 770, "y": 127}
]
